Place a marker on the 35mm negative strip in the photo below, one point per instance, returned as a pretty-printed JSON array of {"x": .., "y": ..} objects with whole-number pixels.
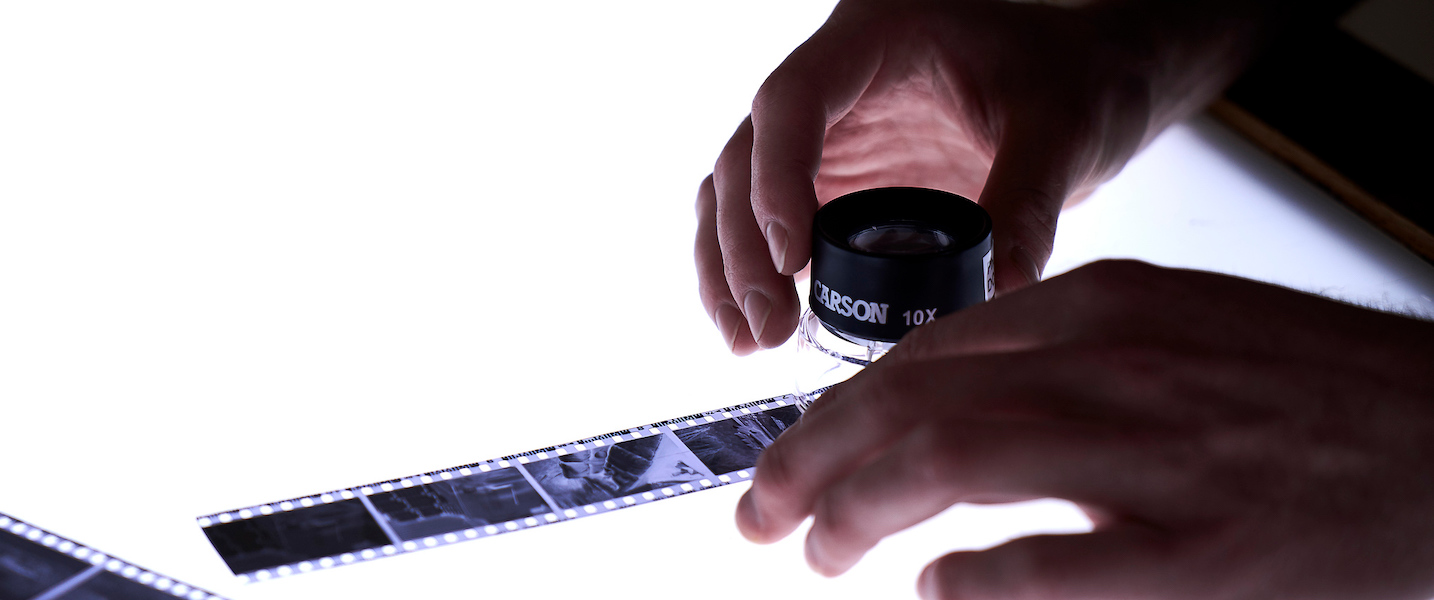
[
  {"x": 38, "y": 565},
  {"x": 520, "y": 491}
]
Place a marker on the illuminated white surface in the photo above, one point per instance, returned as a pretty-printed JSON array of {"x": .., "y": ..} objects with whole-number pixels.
[
  {"x": 1202, "y": 197},
  {"x": 262, "y": 251}
]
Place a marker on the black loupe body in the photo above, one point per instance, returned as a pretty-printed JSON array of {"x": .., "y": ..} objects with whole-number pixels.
[{"x": 886, "y": 260}]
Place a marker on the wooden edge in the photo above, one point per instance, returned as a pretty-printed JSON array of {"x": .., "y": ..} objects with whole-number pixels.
[{"x": 1415, "y": 238}]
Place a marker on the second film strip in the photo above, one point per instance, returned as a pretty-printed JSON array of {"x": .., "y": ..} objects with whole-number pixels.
[
  {"x": 574, "y": 480},
  {"x": 36, "y": 564}
]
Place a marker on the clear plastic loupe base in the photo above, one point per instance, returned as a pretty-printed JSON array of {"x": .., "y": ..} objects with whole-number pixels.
[{"x": 826, "y": 358}]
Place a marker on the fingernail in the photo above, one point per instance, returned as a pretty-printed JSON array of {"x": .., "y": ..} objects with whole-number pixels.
[
  {"x": 777, "y": 244},
  {"x": 815, "y": 559},
  {"x": 758, "y": 308},
  {"x": 926, "y": 586},
  {"x": 749, "y": 522},
  {"x": 1026, "y": 263},
  {"x": 728, "y": 319}
]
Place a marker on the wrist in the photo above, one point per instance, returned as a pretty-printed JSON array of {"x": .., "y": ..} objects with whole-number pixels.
[{"x": 1185, "y": 52}]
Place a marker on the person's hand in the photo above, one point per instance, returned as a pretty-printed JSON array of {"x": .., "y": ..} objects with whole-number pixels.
[
  {"x": 1019, "y": 105},
  {"x": 1229, "y": 439}
]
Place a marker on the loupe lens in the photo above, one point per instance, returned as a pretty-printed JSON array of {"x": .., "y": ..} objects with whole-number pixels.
[
  {"x": 900, "y": 239},
  {"x": 889, "y": 259}
]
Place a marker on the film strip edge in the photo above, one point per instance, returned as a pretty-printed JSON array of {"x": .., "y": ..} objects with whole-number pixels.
[
  {"x": 96, "y": 562},
  {"x": 374, "y": 534}
]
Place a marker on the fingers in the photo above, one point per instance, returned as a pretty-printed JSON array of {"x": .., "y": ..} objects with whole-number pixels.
[
  {"x": 815, "y": 86},
  {"x": 1096, "y": 301},
  {"x": 1010, "y": 323},
  {"x": 767, "y": 299},
  {"x": 1095, "y": 305},
  {"x": 1124, "y": 561},
  {"x": 1032, "y": 174},
  {"x": 712, "y": 278},
  {"x": 855, "y": 422},
  {"x": 966, "y": 460},
  {"x": 822, "y": 448},
  {"x": 763, "y": 183}
]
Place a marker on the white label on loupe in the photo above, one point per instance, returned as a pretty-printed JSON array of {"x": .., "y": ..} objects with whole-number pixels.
[{"x": 990, "y": 270}]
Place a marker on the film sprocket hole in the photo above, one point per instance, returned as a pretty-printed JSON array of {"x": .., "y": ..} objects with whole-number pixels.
[{"x": 885, "y": 261}]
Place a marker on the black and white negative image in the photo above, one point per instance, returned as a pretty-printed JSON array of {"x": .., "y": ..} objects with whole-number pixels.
[
  {"x": 612, "y": 471},
  {"x": 109, "y": 586},
  {"x": 38, "y": 565},
  {"x": 462, "y": 503},
  {"x": 27, "y": 568},
  {"x": 734, "y": 444},
  {"x": 284, "y": 538}
]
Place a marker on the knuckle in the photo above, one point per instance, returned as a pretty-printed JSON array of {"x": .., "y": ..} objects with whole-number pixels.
[
  {"x": 1026, "y": 218},
  {"x": 941, "y": 580},
  {"x": 736, "y": 273},
  {"x": 731, "y": 162},
  {"x": 767, "y": 94},
  {"x": 918, "y": 342},
  {"x": 890, "y": 398},
  {"x": 940, "y": 458},
  {"x": 1117, "y": 274},
  {"x": 706, "y": 204},
  {"x": 1114, "y": 291},
  {"x": 1143, "y": 369},
  {"x": 929, "y": 341},
  {"x": 980, "y": 575},
  {"x": 785, "y": 85},
  {"x": 776, "y": 473},
  {"x": 713, "y": 297},
  {"x": 904, "y": 393},
  {"x": 833, "y": 513},
  {"x": 1039, "y": 216},
  {"x": 961, "y": 576}
]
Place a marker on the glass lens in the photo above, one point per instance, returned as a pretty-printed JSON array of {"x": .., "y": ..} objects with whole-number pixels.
[{"x": 898, "y": 239}]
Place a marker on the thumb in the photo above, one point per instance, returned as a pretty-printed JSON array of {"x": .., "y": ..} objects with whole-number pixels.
[
  {"x": 1126, "y": 561},
  {"x": 1030, "y": 178}
]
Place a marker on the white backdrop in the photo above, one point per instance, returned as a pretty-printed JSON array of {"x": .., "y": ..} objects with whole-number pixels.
[{"x": 259, "y": 250}]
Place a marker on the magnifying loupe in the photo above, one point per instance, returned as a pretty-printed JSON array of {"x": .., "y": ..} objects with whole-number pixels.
[{"x": 885, "y": 261}]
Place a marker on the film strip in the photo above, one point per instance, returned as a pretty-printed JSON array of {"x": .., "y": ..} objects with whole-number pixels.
[
  {"x": 38, "y": 565},
  {"x": 540, "y": 487}
]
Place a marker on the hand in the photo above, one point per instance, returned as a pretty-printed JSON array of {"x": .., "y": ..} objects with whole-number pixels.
[
  {"x": 1229, "y": 439},
  {"x": 1022, "y": 106}
]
